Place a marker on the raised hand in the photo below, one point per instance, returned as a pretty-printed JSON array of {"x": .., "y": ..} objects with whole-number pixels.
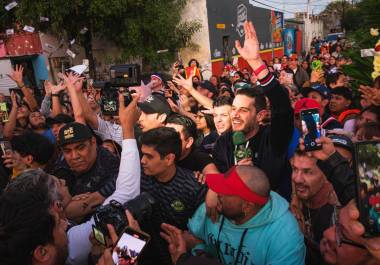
[
  {"x": 58, "y": 88},
  {"x": 47, "y": 86},
  {"x": 251, "y": 49},
  {"x": 185, "y": 83},
  {"x": 17, "y": 74},
  {"x": 14, "y": 99},
  {"x": 325, "y": 152},
  {"x": 175, "y": 239},
  {"x": 73, "y": 81},
  {"x": 372, "y": 95},
  {"x": 128, "y": 115}
]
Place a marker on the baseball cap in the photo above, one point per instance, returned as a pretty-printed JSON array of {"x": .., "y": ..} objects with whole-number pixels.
[
  {"x": 342, "y": 141},
  {"x": 158, "y": 76},
  {"x": 74, "y": 132},
  {"x": 241, "y": 85},
  {"x": 60, "y": 118},
  {"x": 342, "y": 91},
  {"x": 155, "y": 104},
  {"x": 230, "y": 183},
  {"x": 209, "y": 86},
  {"x": 306, "y": 103},
  {"x": 320, "y": 88}
]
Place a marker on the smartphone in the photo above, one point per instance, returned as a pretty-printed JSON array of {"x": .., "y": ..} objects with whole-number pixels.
[
  {"x": 19, "y": 95},
  {"x": 311, "y": 128},
  {"x": 98, "y": 235},
  {"x": 4, "y": 110},
  {"x": 367, "y": 166},
  {"x": 6, "y": 147},
  {"x": 129, "y": 246}
]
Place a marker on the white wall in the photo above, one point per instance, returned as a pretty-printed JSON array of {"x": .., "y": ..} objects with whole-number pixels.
[
  {"x": 313, "y": 28},
  {"x": 197, "y": 10}
]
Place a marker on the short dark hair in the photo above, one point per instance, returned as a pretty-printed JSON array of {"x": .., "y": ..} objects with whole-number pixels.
[
  {"x": 258, "y": 96},
  {"x": 189, "y": 126},
  {"x": 164, "y": 140},
  {"x": 209, "y": 121},
  {"x": 25, "y": 223},
  {"x": 332, "y": 78},
  {"x": 373, "y": 109},
  {"x": 34, "y": 144},
  {"x": 222, "y": 101}
]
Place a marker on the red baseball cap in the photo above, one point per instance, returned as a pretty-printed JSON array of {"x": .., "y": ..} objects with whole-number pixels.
[
  {"x": 230, "y": 183},
  {"x": 306, "y": 103}
]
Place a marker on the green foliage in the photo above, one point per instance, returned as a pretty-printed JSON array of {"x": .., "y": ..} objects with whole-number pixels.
[
  {"x": 139, "y": 27},
  {"x": 363, "y": 15}
]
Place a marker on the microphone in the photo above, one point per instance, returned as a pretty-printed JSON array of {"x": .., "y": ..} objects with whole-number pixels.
[{"x": 241, "y": 150}]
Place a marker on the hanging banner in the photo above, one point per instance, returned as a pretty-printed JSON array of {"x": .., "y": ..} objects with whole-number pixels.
[
  {"x": 277, "y": 25},
  {"x": 289, "y": 41}
]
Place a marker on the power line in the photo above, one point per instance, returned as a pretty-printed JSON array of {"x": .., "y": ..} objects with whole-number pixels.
[{"x": 278, "y": 9}]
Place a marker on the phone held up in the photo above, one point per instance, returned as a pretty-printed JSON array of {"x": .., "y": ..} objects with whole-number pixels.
[
  {"x": 311, "y": 128},
  {"x": 129, "y": 247},
  {"x": 367, "y": 166}
]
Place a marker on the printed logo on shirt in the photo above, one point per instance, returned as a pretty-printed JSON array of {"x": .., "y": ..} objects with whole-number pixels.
[{"x": 178, "y": 206}]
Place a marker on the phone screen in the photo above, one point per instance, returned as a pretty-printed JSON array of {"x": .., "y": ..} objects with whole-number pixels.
[
  {"x": 129, "y": 247},
  {"x": 368, "y": 175},
  {"x": 6, "y": 147},
  {"x": 311, "y": 128}
]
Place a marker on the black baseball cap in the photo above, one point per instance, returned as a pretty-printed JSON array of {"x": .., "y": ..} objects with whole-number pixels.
[
  {"x": 342, "y": 141},
  {"x": 58, "y": 119},
  {"x": 74, "y": 132},
  {"x": 342, "y": 91},
  {"x": 155, "y": 104}
]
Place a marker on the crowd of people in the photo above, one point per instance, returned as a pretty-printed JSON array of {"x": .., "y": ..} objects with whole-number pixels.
[{"x": 277, "y": 204}]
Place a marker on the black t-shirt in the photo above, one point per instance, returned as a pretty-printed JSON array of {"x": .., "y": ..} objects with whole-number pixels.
[
  {"x": 209, "y": 141},
  {"x": 197, "y": 160},
  {"x": 176, "y": 202}
]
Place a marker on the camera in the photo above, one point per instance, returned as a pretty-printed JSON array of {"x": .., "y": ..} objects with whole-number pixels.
[
  {"x": 121, "y": 78},
  {"x": 113, "y": 213}
]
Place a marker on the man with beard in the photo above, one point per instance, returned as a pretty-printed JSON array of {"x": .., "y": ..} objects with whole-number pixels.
[
  {"x": 255, "y": 225},
  {"x": 269, "y": 144},
  {"x": 31, "y": 230}
]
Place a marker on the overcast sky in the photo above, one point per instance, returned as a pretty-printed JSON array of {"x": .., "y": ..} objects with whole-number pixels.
[{"x": 291, "y": 6}]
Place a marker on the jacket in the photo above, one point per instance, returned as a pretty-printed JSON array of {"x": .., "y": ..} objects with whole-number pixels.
[
  {"x": 270, "y": 144},
  {"x": 272, "y": 236}
]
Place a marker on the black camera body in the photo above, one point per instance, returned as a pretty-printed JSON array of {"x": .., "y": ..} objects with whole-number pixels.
[
  {"x": 113, "y": 213},
  {"x": 121, "y": 78}
]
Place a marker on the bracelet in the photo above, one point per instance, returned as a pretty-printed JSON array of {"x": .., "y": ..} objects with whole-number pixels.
[
  {"x": 55, "y": 95},
  {"x": 260, "y": 69},
  {"x": 22, "y": 86}
]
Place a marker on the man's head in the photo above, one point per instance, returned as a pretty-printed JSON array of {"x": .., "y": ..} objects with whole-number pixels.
[
  {"x": 156, "y": 81},
  {"x": 334, "y": 80},
  {"x": 154, "y": 111},
  {"x": 293, "y": 61},
  {"x": 31, "y": 232},
  {"x": 307, "y": 178},
  {"x": 78, "y": 146},
  {"x": 187, "y": 130},
  {"x": 222, "y": 107},
  {"x": 207, "y": 89},
  {"x": 57, "y": 122},
  {"x": 37, "y": 120},
  {"x": 318, "y": 92},
  {"x": 248, "y": 109},
  {"x": 341, "y": 98},
  {"x": 340, "y": 245},
  {"x": 34, "y": 149},
  {"x": 161, "y": 148},
  {"x": 242, "y": 192}
]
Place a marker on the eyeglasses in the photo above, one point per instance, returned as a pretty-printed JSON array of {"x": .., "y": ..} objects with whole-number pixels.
[{"x": 339, "y": 236}]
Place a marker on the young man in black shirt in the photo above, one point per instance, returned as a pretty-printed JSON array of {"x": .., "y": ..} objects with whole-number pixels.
[
  {"x": 175, "y": 189},
  {"x": 192, "y": 157}
]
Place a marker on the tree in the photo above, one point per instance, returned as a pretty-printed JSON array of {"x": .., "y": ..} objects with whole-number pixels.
[{"x": 139, "y": 27}]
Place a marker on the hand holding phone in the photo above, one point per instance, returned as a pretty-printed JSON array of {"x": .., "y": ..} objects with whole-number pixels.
[{"x": 311, "y": 129}]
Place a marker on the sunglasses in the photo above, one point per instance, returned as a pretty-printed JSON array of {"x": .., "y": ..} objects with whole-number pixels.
[{"x": 339, "y": 236}]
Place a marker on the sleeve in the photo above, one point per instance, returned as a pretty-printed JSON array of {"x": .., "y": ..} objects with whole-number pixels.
[
  {"x": 106, "y": 130},
  {"x": 281, "y": 112},
  {"x": 45, "y": 106},
  {"x": 202, "y": 159},
  {"x": 341, "y": 176},
  {"x": 79, "y": 245},
  {"x": 128, "y": 180},
  {"x": 218, "y": 154}
]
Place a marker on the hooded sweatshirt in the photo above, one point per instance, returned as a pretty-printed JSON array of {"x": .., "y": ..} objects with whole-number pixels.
[{"x": 272, "y": 236}]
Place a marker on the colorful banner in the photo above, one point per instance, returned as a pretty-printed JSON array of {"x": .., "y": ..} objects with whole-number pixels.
[
  {"x": 289, "y": 41},
  {"x": 277, "y": 25}
]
